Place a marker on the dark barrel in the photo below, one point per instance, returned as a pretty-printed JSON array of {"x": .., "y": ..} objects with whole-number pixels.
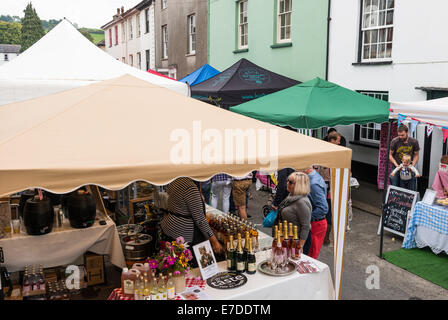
[
  {"x": 81, "y": 210},
  {"x": 23, "y": 197},
  {"x": 38, "y": 216}
]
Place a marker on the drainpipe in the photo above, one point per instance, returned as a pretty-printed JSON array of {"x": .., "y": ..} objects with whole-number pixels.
[{"x": 328, "y": 39}]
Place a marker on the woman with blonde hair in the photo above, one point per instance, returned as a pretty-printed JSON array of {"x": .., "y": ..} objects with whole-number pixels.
[{"x": 296, "y": 208}]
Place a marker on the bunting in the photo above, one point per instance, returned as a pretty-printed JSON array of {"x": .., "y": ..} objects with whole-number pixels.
[
  {"x": 401, "y": 118},
  {"x": 413, "y": 126},
  {"x": 445, "y": 133},
  {"x": 429, "y": 129}
]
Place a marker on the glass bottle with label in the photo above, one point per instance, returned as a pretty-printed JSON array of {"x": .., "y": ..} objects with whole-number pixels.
[
  {"x": 246, "y": 248},
  {"x": 154, "y": 288},
  {"x": 251, "y": 260},
  {"x": 274, "y": 240},
  {"x": 163, "y": 295},
  {"x": 285, "y": 242},
  {"x": 277, "y": 256},
  {"x": 291, "y": 233},
  {"x": 170, "y": 287},
  {"x": 138, "y": 288},
  {"x": 231, "y": 258},
  {"x": 146, "y": 289},
  {"x": 295, "y": 245},
  {"x": 240, "y": 262}
]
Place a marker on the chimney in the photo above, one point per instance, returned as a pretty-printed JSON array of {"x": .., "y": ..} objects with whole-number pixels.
[
  {"x": 118, "y": 11},
  {"x": 122, "y": 10}
]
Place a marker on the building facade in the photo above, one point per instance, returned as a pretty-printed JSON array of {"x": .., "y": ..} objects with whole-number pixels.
[
  {"x": 391, "y": 50},
  {"x": 288, "y": 37},
  {"x": 130, "y": 36},
  {"x": 8, "y": 52},
  {"x": 181, "y": 36}
]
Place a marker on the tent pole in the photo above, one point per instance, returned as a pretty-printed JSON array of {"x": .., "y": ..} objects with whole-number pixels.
[{"x": 386, "y": 179}]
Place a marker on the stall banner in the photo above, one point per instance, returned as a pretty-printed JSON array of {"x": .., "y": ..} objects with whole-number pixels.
[
  {"x": 429, "y": 129},
  {"x": 382, "y": 155}
]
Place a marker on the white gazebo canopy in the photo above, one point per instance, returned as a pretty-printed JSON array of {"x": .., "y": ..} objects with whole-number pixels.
[
  {"x": 65, "y": 59},
  {"x": 430, "y": 111}
]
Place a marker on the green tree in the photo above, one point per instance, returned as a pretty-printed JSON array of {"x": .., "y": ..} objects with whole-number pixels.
[
  {"x": 10, "y": 33},
  {"x": 86, "y": 34},
  {"x": 32, "y": 29}
]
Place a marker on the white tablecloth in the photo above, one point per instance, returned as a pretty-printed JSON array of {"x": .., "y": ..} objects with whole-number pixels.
[
  {"x": 259, "y": 286},
  {"x": 62, "y": 246}
]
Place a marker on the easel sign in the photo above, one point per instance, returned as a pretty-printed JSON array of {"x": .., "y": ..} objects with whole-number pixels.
[{"x": 398, "y": 210}]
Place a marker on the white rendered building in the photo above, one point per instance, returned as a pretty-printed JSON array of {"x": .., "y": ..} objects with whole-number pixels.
[
  {"x": 393, "y": 50},
  {"x": 129, "y": 37}
]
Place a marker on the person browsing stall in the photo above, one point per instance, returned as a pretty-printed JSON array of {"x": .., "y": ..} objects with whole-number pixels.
[
  {"x": 407, "y": 173},
  {"x": 296, "y": 207},
  {"x": 399, "y": 146},
  {"x": 186, "y": 215},
  {"x": 318, "y": 198}
]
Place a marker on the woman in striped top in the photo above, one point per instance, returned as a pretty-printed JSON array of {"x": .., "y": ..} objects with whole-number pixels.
[{"x": 186, "y": 215}]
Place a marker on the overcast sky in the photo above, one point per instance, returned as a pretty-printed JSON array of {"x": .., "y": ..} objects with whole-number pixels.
[{"x": 86, "y": 13}]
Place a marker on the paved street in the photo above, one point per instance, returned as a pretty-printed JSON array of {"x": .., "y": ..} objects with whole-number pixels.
[{"x": 362, "y": 251}]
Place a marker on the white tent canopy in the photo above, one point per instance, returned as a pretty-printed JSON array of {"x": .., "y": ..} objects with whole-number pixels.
[
  {"x": 430, "y": 111},
  {"x": 65, "y": 59}
]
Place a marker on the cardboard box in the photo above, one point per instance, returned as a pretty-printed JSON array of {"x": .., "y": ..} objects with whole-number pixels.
[
  {"x": 94, "y": 265},
  {"x": 16, "y": 293}
]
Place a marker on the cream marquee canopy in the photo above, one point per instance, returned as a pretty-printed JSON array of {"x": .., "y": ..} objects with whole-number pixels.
[{"x": 119, "y": 131}]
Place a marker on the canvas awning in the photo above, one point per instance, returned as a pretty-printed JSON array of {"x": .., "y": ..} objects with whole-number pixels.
[
  {"x": 430, "y": 111},
  {"x": 243, "y": 81},
  {"x": 115, "y": 132},
  {"x": 314, "y": 104},
  {"x": 65, "y": 59},
  {"x": 203, "y": 73}
]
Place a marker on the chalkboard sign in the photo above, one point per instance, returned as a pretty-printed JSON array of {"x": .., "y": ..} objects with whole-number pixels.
[{"x": 398, "y": 209}]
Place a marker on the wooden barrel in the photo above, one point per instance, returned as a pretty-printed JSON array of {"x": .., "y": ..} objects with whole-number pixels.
[{"x": 38, "y": 216}]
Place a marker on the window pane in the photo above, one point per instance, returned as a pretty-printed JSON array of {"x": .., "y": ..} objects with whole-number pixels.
[
  {"x": 390, "y": 4},
  {"x": 288, "y": 19},
  {"x": 282, "y": 6},
  {"x": 366, "y": 52},
  {"x": 390, "y": 17},
  {"x": 288, "y": 5},
  {"x": 370, "y": 134},
  {"x": 363, "y": 133},
  {"x": 373, "y": 51},
  {"x": 367, "y": 37},
  {"x": 382, "y": 20},
  {"x": 282, "y": 33},
  {"x": 374, "y": 4},
  {"x": 366, "y": 5},
  {"x": 383, "y": 4},
  {"x": 288, "y": 32},
  {"x": 374, "y": 38},
  {"x": 390, "y": 33},
  {"x": 382, "y": 51},
  {"x": 389, "y": 50},
  {"x": 382, "y": 35},
  {"x": 366, "y": 20}
]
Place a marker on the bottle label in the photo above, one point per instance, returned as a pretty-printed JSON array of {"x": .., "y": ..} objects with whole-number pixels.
[
  {"x": 251, "y": 267},
  {"x": 159, "y": 296},
  {"x": 154, "y": 297},
  {"x": 128, "y": 287},
  {"x": 164, "y": 296},
  {"x": 229, "y": 263},
  {"x": 147, "y": 297},
  {"x": 171, "y": 293},
  {"x": 240, "y": 266}
]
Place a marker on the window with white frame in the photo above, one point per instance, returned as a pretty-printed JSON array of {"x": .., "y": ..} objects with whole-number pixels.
[
  {"x": 192, "y": 34},
  {"x": 371, "y": 132},
  {"x": 242, "y": 24},
  {"x": 137, "y": 23},
  {"x": 116, "y": 34},
  {"x": 131, "y": 60},
  {"x": 284, "y": 20},
  {"x": 377, "y": 29},
  {"x": 123, "y": 59},
  {"x": 164, "y": 42},
  {"x": 139, "y": 60},
  {"x": 164, "y": 4},
  {"x": 131, "y": 34},
  {"x": 147, "y": 21}
]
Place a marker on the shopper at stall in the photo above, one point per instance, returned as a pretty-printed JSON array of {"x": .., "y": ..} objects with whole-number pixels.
[
  {"x": 343, "y": 142},
  {"x": 318, "y": 198},
  {"x": 221, "y": 190},
  {"x": 186, "y": 215},
  {"x": 407, "y": 172},
  {"x": 296, "y": 207},
  {"x": 440, "y": 184},
  {"x": 282, "y": 187},
  {"x": 403, "y": 144},
  {"x": 240, "y": 193}
]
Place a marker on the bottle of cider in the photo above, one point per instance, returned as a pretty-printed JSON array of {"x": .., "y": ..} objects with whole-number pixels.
[
  {"x": 285, "y": 242},
  {"x": 295, "y": 245},
  {"x": 231, "y": 255},
  {"x": 240, "y": 262},
  {"x": 246, "y": 246},
  {"x": 274, "y": 241},
  {"x": 171, "y": 290}
]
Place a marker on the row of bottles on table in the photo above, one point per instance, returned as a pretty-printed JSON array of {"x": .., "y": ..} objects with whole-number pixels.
[
  {"x": 227, "y": 225},
  {"x": 241, "y": 260},
  {"x": 33, "y": 280},
  {"x": 57, "y": 291},
  {"x": 146, "y": 286},
  {"x": 286, "y": 242}
]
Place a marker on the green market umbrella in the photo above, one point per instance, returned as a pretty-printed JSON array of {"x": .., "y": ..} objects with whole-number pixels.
[{"x": 314, "y": 104}]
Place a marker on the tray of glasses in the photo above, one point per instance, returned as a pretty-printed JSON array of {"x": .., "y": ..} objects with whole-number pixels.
[{"x": 266, "y": 267}]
